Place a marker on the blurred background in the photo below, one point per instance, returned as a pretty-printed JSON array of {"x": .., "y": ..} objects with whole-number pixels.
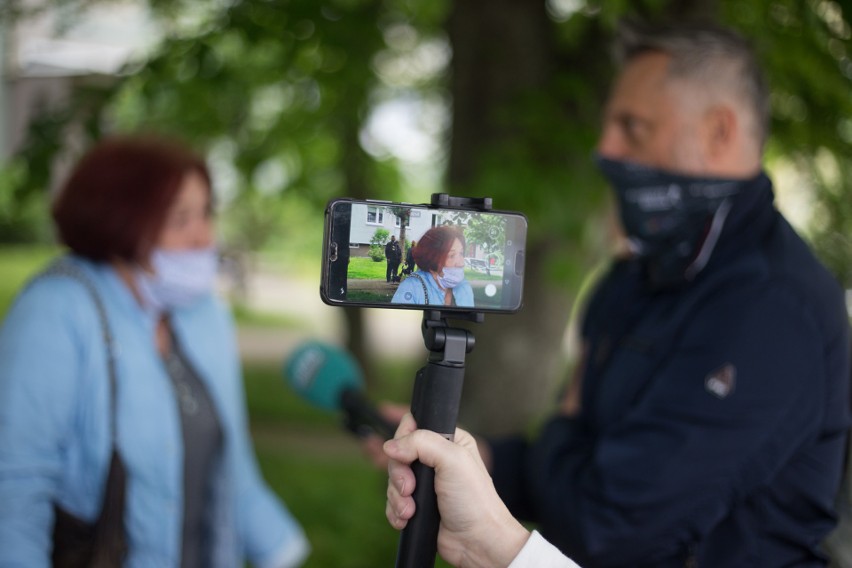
[{"x": 297, "y": 101}]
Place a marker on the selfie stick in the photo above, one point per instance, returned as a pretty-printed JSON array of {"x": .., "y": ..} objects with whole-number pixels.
[{"x": 435, "y": 406}]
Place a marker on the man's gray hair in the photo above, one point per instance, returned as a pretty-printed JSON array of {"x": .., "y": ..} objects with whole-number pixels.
[{"x": 709, "y": 55}]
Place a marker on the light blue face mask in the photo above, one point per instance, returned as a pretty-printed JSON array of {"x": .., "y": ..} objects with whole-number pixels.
[
  {"x": 181, "y": 277},
  {"x": 452, "y": 277}
]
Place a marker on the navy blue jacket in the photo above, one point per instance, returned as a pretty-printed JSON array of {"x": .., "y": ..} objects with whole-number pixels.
[{"x": 714, "y": 416}]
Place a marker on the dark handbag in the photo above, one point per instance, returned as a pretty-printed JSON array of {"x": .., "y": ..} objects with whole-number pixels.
[{"x": 103, "y": 543}]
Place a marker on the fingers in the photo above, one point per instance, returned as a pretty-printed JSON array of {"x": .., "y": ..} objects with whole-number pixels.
[
  {"x": 405, "y": 453},
  {"x": 407, "y": 425},
  {"x": 399, "y": 508},
  {"x": 400, "y": 505},
  {"x": 422, "y": 445},
  {"x": 464, "y": 439},
  {"x": 430, "y": 448},
  {"x": 393, "y": 412},
  {"x": 401, "y": 478},
  {"x": 372, "y": 446}
]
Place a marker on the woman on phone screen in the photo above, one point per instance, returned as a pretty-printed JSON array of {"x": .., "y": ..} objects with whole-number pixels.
[{"x": 439, "y": 279}]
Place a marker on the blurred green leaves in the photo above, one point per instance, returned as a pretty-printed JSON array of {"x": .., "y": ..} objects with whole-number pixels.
[
  {"x": 805, "y": 48},
  {"x": 280, "y": 93}
]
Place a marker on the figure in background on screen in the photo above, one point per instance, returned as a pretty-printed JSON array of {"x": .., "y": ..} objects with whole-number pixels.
[
  {"x": 439, "y": 279},
  {"x": 393, "y": 255},
  {"x": 410, "y": 265}
]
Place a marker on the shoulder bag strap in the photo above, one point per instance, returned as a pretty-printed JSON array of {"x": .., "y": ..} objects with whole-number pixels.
[
  {"x": 63, "y": 267},
  {"x": 422, "y": 283}
]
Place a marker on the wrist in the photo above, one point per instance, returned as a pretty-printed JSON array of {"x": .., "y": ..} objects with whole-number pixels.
[
  {"x": 509, "y": 545},
  {"x": 499, "y": 547}
]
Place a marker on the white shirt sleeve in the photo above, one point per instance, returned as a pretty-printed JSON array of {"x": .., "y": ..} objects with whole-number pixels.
[{"x": 538, "y": 553}]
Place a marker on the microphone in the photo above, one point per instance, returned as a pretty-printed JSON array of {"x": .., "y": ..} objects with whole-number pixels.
[{"x": 330, "y": 378}]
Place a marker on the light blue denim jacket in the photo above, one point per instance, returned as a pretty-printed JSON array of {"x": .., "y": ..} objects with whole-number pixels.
[
  {"x": 54, "y": 436},
  {"x": 410, "y": 291}
]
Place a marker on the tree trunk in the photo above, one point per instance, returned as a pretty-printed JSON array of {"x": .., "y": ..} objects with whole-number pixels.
[
  {"x": 354, "y": 165},
  {"x": 513, "y": 372},
  {"x": 502, "y": 49}
]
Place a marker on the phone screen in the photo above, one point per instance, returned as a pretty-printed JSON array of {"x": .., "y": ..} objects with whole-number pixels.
[{"x": 404, "y": 256}]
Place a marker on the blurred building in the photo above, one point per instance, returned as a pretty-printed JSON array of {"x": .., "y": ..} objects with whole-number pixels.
[{"x": 46, "y": 55}]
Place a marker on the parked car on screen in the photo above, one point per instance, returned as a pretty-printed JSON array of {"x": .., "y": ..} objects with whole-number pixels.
[{"x": 477, "y": 264}]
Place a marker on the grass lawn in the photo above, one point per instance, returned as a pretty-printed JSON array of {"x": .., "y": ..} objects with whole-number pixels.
[
  {"x": 318, "y": 470},
  {"x": 365, "y": 268}
]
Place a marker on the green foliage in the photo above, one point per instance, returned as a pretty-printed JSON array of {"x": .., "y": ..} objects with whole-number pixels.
[
  {"x": 286, "y": 86},
  {"x": 380, "y": 237},
  {"x": 805, "y": 47},
  {"x": 377, "y": 253},
  {"x": 246, "y": 316},
  {"x": 488, "y": 232},
  {"x": 25, "y": 178},
  {"x": 833, "y": 214},
  {"x": 18, "y": 264},
  {"x": 543, "y": 167},
  {"x": 23, "y": 215},
  {"x": 251, "y": 219},
  {"x": 377, "y": 245}
]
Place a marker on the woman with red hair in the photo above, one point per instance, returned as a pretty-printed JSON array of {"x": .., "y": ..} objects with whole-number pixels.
[
  {"x": 158, "y": 384},
  {"x": 439, "y": 279}
]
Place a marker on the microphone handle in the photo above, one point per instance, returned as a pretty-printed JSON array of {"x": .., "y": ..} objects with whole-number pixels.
[
  {"x": 362, "y": 417},
  {"x": 435, "y": 406}
]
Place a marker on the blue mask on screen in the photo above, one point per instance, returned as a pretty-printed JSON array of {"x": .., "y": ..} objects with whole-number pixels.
[{"x": 452, "y": 277}]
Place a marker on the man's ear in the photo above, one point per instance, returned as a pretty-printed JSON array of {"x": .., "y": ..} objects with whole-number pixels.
[{"x": 721, "y": 131}]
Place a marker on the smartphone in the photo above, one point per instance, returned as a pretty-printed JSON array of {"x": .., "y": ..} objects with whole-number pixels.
[{"x": 478, "y": 255}]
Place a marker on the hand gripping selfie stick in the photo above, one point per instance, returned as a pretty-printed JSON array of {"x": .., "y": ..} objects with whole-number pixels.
[{"x": 435, "y": 406}]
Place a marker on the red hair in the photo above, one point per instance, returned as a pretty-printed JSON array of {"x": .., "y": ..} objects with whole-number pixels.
[
  {"x": 433, "y": 247},
  {"x": 114, "y": 203}
]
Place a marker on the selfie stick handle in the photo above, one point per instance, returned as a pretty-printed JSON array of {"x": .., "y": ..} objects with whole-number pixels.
[{"x": 435, "y": 406}]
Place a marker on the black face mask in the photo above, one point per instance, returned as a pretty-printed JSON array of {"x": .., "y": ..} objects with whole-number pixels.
[{"x": 672, "y": 220}]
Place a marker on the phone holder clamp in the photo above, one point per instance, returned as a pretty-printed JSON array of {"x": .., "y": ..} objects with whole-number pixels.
[{"x": 447, "y": 200}]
